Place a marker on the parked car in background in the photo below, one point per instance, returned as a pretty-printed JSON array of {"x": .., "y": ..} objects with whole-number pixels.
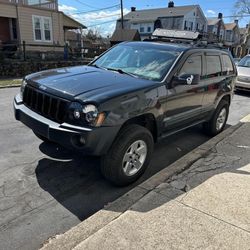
[
  {"x": 243, "y": 79},
  {"x": 130, "y": 97},
  {"x": 236, "y": 61}
]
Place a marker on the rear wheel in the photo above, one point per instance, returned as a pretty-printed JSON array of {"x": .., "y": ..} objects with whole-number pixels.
[
  {"x": 219, "y": 119},
  {"x": 129, "y": 155}
]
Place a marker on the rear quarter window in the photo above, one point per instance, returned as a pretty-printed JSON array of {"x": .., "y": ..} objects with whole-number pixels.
[
  {"x": 213, "y": 66},
  {"x": 227, "y": 65}
]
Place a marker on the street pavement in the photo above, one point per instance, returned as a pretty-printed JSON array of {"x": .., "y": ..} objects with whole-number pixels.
[{"x": 46, "y": 189}]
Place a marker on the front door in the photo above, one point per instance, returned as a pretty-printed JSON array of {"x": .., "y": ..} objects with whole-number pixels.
[{"x": 184, "y": 100}]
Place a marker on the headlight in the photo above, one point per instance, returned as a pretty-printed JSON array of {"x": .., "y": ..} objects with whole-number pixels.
[
  {"x": 86, "y": 114},
  {"x": 90, "y": 111},
  {"x": 24, "y": 83}
]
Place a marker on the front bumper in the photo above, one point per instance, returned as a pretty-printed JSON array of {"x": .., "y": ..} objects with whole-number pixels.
[
  {"x": 90, "y": 141},
  {"x": 242, "y": 85}
]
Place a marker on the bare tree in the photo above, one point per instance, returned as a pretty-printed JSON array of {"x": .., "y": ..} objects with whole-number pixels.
[{"x": 242, "y": 7}]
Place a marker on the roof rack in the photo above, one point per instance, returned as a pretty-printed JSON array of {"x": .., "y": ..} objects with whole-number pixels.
[
  {"x": 177, "y": 34},
  {"x": 185, "y": 37}
]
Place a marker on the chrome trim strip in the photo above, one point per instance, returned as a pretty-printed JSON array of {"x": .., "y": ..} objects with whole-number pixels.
[
  {"x": 173, "y": 65},
  {"x": 67, "y": 125}
]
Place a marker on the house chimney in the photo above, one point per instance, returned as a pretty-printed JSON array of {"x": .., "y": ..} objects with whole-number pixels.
[
  {"x": 171, "y": 4},
  {"x": 220, "y": 16},
  {"x": 133, "y": 9},
  {"x": 236, "y": 21}
]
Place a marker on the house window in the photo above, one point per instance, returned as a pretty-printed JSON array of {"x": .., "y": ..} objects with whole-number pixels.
[
  {"x": 185, "y": 25},
  {"x": 42, "y": 28},
  {"x": 141, "y": 29},
  {"x": 191, "y": 26},
  {"x": 149, "y": 29}
]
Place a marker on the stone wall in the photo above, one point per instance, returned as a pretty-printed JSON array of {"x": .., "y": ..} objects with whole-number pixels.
[{"x": 20, "y": 69}]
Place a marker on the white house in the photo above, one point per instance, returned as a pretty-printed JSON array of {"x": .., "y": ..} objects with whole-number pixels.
[{"x": 190, "y": 17}]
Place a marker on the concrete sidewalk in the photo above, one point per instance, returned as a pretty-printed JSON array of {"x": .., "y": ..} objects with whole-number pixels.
[{"x": 207, "y": 206}]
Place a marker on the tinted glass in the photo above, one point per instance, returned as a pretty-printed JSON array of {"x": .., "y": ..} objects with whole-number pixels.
[
  {"x": 193, "y": 66},
  {"x": 213, "y": 66},
  {"x": 245, "y": 62},
  {"x": 227, "y": 65},
  {"x": 142, "y": 61}
]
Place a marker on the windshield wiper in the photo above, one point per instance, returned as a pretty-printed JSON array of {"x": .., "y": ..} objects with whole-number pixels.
[
  {"x": 122, "y": 72},
  {"x": 96, "y": 66}
]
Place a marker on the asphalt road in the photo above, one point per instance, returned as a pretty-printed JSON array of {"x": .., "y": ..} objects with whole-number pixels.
[{"x": 45, "y": 189}]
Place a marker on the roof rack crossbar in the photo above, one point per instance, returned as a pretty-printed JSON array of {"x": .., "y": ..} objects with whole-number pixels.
[{"x": 191, "y": 38}]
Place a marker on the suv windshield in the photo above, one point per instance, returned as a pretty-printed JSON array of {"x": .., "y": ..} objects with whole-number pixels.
[
  {"x": 245, "y": 62},
  {"x": 148, "y": 62}
]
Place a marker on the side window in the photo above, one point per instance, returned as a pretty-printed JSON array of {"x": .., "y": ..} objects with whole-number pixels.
[
  {"x": 193, "y": 66},
  {"x": 227, "y": 65},
  {"x": 213, "y": 66}
]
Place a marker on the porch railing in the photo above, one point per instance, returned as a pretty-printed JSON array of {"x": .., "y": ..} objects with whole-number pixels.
[
  {"x": 25, "y": 52},
  {"x": 52, "y": 4}
]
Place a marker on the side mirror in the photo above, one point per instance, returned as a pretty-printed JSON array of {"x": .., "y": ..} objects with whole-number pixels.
[{"x": 186, "y": 79}]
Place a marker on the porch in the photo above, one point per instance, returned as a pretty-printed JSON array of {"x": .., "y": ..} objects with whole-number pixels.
[{"x": 46, "y": 4}]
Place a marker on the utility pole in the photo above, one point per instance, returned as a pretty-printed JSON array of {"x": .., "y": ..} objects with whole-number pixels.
[{"x": 122, "y": 14}]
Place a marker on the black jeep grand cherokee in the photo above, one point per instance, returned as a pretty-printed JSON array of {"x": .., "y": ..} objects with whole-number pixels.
[{"x": 127, "y": 99}]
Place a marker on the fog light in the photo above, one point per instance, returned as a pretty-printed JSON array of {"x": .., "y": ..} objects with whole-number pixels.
[
  {"x": 78, "y": 141},
  {"x": 82, "y": 140}
]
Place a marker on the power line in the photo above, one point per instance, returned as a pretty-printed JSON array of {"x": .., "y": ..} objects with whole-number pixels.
[
  {"x": 96, "y": 10},
  {"x": 248, "y": 15},
  {"x": 87, "y": 5},
  {"x": 101, "y": 17},
  {"x": 97, "y": 24}
]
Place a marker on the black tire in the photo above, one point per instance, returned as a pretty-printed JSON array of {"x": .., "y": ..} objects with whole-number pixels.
[
  {"x": 112, "y": 163},
  {"x": 210, "y": 126},
  {"x": 41, "y": 137}
]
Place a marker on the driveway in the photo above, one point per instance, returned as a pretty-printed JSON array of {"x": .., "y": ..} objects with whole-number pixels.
[{"x": 46, "y": 189}]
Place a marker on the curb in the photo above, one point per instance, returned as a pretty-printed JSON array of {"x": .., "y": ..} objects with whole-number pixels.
[
  {"x": 112, "y": 211},
  {"x": 10, "y": 86}
]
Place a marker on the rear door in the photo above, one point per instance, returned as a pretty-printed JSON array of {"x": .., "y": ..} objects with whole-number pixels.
[{"x": 217, "y": 71}]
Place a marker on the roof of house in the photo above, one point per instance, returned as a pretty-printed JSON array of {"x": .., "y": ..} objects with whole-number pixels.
[
  {"x": 212, "y": 21},
  {"x": 70, "y": 23},
  {"x": 154, "y": 14},
  {"x": 121, "y": 35},
  {"x": 230, "y": 26}
]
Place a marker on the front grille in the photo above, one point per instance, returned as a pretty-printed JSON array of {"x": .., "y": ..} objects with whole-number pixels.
[{"x": 44, "y": 104}]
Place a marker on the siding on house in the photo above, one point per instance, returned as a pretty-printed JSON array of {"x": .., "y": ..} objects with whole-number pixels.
[
  {"x": 24, "y": 15},
  {"x": 8, "y": 10}
]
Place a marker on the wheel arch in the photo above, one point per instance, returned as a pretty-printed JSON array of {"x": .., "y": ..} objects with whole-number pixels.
[
  {"x": 145, "y": 120},
  {"x": 226, "y": 97}
]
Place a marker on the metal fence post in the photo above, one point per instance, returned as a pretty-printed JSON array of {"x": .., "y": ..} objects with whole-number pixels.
[
  {"x": 66, "y": 52},
  {"x": 24, "y": 50}
]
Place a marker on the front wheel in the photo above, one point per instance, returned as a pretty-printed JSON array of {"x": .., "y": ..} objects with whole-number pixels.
[
  {"x": 129, "y": 155},
  {"x": 218, "y": 120}
]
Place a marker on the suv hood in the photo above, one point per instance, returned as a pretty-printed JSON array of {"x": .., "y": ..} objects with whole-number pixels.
[{"x": 85, "y": 81}]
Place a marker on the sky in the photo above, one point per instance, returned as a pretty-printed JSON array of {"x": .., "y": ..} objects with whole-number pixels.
[{"x": 101, "y": 15}]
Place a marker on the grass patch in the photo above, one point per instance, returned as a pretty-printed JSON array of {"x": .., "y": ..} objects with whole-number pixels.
[{"x": 10, "y": 83}]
